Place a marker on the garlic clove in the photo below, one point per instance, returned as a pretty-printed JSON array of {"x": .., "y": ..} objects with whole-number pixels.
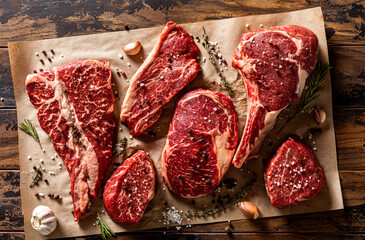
[
  {"x": 43, "y": 220},
  {"x": 249, "y": 209},
  {"x": 320, "y": 115},
  {"x": 132, "y": 48}
]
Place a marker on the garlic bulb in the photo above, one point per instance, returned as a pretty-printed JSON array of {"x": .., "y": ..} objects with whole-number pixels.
[{"x": 43, "y": 220}]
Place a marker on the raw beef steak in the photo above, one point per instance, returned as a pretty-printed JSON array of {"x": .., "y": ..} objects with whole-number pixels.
[
  {"x": 202, "y": 138},
  {"x": 293, "y": 174},
  {"x": 130, "y": 188},
  {"x": 169, "y": 68},
  {"x": 274, "y": 64},
  {"x": 75, "y": 108}
]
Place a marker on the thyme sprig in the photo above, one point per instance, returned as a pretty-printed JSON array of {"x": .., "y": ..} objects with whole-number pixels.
[
  {"x": 316, "y": 79},
  {"x": 213, "y": 59},
  {"x": 232, "y": 201},
  {"x": 37, "y": 177},
  {"x": 106, "y": 232},
  {"x": 28, "y": 128}
]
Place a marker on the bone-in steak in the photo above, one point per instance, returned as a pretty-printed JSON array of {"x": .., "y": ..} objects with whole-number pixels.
[
  {"x": 130, "y": 188},
  {"x": 274, "y": 64},
  {"x": 75, "y": 108},
  {"x": 202, "y": 138},
  {"x": 293, "y": 174},
  {"x": 169, "y": 68}
]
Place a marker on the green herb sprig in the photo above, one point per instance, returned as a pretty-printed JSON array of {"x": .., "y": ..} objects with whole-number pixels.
[
  {"x": 106, "y": 232},
  {"x": 122, "y": 145},
  {"x": 212, "y": 59},
  {"x": 28, "y": 128},
  {"x": 37, "y": 177},
  {"x": 232, "y": 201},
  {"x": 316, "y": 79}
]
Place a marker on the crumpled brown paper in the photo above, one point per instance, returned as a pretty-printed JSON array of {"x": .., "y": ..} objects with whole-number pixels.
[{"x": 108, "y": 47}]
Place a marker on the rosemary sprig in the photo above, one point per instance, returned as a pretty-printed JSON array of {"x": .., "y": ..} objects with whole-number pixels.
[
  {"x": 232, "y": 201},
  {"x": 213, "y": 59},
  {"x": 316, "y": 80},
  {"x": 106, "y": 232},
  {"x": 37, "y": 177},
  {"x": 122, "y": 145},
  {"x": 28, "y": 128}
]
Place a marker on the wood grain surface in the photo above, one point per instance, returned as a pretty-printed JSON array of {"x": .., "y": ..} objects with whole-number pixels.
[
  {"x": 31, "y": 20},
  {"x": 345, "y": 29}
]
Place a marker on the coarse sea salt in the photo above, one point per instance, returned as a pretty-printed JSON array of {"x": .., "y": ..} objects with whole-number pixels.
[{"x": 171, "y": 215}]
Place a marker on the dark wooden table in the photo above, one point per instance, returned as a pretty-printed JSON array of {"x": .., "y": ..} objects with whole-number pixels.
[{"x": 345, "y": 28}]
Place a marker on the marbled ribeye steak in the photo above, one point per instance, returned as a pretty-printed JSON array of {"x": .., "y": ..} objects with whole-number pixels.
[
  {"x": 274, "y": 64},
  {"x": 75, "y": 108},
  {"x": 202, "y": 138}
]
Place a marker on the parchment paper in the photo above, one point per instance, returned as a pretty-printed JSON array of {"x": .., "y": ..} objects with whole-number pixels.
[{"x": 107, "y": 47}]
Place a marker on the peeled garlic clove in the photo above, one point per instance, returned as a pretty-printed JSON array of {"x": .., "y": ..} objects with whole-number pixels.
[
  {"x": 249, "y": 209},
  {"x": 132, "y": 48},
  {"x": 319, "y": 115},
  {"x": 43, "y": 220}
]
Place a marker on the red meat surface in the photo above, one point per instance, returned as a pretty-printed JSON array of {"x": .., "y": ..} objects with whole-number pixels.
[
  {"x": 75, "y": 108},
  {"x": 293, "y": 174},
  {"x": 200, "y": 145},
  {"x": 130, "y": 188},
  {"x": 169, "y": 68},
  {"x": 274, "y": 64}
]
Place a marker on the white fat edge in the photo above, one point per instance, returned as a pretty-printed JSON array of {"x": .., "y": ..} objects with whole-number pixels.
[
  {"x": 165, "y": 154},
  {"x": 224, "y": 156},
  {"x": 87, "y": 156},
  {"x": 302, "y": 74},
  {"x": 269, "y": 122},
  {"x": 82, "y": 189},
  {"x": 302, "y": 77},
  {"x": 241, "y": 143}
]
